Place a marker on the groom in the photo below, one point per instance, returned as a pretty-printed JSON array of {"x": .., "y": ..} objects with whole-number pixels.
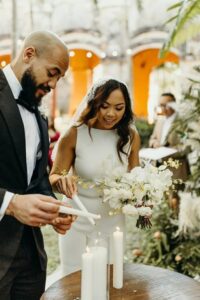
[{"x": 26, "y": 198}]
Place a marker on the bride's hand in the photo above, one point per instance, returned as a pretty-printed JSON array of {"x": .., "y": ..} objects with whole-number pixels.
[{"x": 67, "y": 185}]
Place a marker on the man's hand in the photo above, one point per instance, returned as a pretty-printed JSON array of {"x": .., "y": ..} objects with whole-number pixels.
[
  {"x": 34, "y": 209},
  {"x": 154, "y": 144},
  {"x": 63, "y": 223}
]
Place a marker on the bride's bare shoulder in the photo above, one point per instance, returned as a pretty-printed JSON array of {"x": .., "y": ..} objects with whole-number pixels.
[
  {"x": 135, "y": 137},
  {"x": 69, "y": 138}
]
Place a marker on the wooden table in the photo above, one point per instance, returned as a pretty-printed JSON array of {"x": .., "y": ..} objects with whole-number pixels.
[{"x": 141, "y": 282}]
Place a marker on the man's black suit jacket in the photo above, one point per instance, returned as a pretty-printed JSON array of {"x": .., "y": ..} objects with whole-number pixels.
[{"x": 13, "y": 175}]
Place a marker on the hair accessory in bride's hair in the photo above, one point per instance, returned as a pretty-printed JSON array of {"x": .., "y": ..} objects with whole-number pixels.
[{"x": 91, "y": 93}]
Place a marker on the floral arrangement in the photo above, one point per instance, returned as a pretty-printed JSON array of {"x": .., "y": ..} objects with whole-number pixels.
[
  {"x": 136, "y": 192},
  {"x": 188, "y": 127}
]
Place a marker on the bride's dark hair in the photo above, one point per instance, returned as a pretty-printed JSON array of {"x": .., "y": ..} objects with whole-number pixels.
[{"x": 89, "y": 115}]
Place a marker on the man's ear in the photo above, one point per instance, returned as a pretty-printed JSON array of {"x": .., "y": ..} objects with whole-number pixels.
[{"x": 29, "y": 54}]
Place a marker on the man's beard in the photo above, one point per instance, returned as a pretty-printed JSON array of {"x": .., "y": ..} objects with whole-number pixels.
[{"x": 29, "y": 88}]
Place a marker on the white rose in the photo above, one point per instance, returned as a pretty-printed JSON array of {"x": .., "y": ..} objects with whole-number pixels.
[
  {"x": 130, "y": 210},
  {"x": 144, "y": 211}
]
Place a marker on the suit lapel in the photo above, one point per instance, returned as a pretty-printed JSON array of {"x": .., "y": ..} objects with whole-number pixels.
[
  {"x": 41, "y": 164},
  {"x": 42, "y": 123},
  {"x": 11, "y": 114}
]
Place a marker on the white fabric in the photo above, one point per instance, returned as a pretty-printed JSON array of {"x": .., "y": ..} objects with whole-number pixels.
[
  {"x": 32, "y": 138},
  {"x": 189, "y": 213},
  {"x": 166, "y": 128},
  {"x": 32, "y": 133},
  {"x": 173, "y": 105},
  {"x": 95, "y": 158},
  {"x": 6, "y": 200}
]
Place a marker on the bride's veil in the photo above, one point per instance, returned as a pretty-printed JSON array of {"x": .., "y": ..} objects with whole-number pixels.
[{"x": 74, "y": 119}]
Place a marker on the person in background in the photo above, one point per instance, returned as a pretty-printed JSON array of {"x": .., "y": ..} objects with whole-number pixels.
[
  {"x": 26, "y": 198},
  {"x": 165, "y": 134},
  {"x": 166, "y": 109}
]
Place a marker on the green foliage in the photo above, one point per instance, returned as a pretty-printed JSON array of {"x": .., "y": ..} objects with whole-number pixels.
[
  {"x": 187, "y": 24},
  {"x": 189, "y": 126},
  {"x": 145, "y": 130},
  {"x": 162, "y": 247}
]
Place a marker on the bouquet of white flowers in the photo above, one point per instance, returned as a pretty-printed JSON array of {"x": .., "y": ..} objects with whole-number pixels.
[{"x": 136, "y": 192}]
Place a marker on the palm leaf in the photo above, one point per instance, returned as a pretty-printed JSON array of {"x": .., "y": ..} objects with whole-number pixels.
[
  {"x": 171, "y": 19},
  {"x": 175, "y": 5},
  {"x": 187, "y": 33},
  {"x": 188, "y": 11}
]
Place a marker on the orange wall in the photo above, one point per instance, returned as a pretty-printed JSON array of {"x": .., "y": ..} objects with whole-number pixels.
[
  {"x": 82, "y": 75},
  {"x": 142, "y": 65},
  {"x": 4, "y": 57}
]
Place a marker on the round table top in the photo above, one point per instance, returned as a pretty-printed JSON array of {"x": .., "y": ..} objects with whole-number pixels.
[{"x": 141, "y": 282}]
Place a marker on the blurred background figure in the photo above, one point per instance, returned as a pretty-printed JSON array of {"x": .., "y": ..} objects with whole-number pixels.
[
  {"x": 166, "y": 112},
  {"x": 165, "y": 134},
  {"x": 53, "y": 137}
]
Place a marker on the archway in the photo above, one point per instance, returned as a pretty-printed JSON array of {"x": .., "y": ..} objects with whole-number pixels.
[
  {"x": 143, "y": 62},
  {"x": 82, "y": 63}
]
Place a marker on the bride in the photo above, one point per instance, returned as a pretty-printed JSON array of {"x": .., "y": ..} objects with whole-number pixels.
[{"x": 101, "y": 137}]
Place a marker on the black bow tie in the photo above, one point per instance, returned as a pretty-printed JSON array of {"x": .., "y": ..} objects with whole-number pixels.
[{"x": 27, "y": 104}]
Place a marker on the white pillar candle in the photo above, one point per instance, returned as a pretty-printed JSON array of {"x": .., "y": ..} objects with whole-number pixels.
[
  {"x": 87, "y": 276},
  {"x": 118, "y": 255},
  {"x": 99, "y": 272}
]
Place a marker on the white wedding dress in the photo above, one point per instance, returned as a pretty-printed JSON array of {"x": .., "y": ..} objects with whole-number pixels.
[{"x": 95, "y": 157}]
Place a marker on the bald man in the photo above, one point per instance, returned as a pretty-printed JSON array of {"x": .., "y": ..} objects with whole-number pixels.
[{"x": 26, "y": 198}]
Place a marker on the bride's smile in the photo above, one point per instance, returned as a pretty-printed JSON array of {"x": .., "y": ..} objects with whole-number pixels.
[{"x": 111, "y": 111}]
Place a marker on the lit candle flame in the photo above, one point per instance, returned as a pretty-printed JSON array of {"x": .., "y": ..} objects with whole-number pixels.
[
  {"x": 117, "y": 228},
  {"x": 87, "y": 249}
]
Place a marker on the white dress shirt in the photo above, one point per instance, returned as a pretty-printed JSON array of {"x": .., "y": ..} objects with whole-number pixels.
[
  {"x": 32, "y": 134},
  {"x": 166, "y": 128}
]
